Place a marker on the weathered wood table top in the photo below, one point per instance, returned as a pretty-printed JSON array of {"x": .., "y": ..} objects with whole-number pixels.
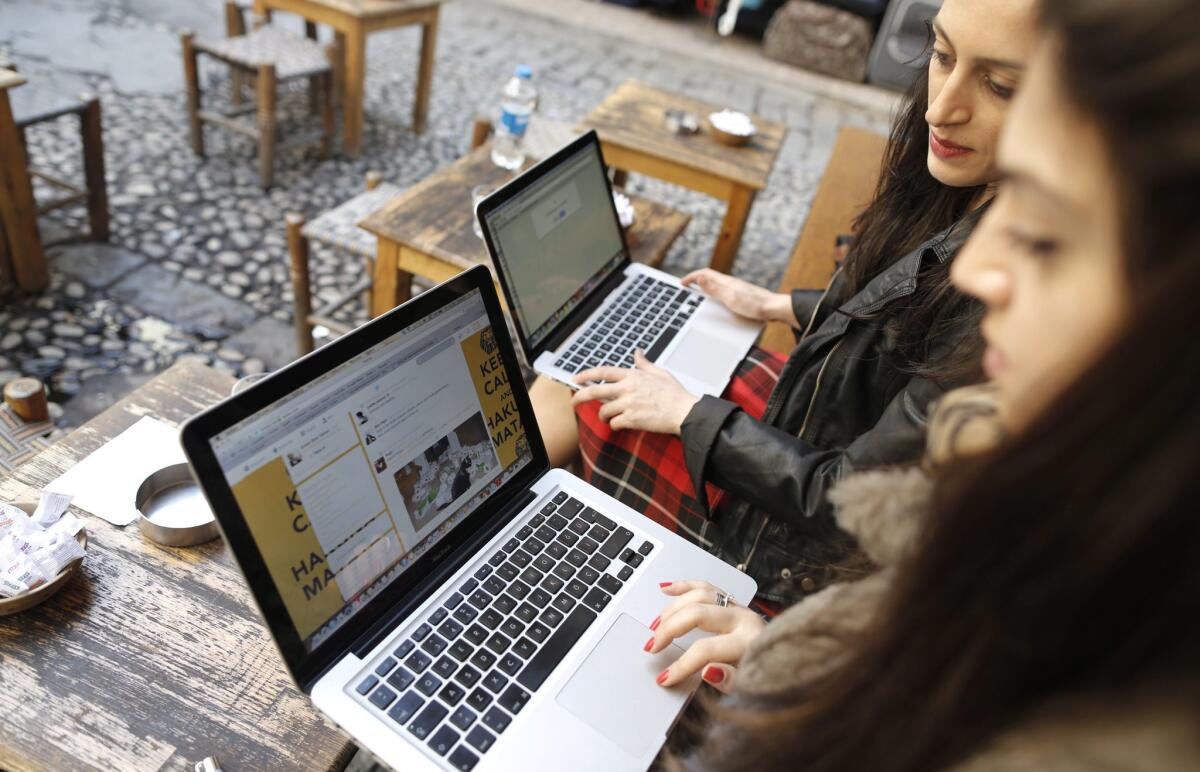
[
  {"x": 153, "y": 657},
  {"x": 435, "y": 216}
]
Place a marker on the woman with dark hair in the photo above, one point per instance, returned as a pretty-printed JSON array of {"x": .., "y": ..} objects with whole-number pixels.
[
  {"x": 1042, "y": 610},
  {"x": 747, "y": 476}
]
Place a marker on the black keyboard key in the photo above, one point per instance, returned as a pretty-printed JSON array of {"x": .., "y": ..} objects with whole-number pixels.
[
  {"x": 418, "y": 661},
  {"x": 634, "y": 559},
  {"x": 401, "y": 679},
  {"x": 470, "y": 585},
  {"x": 496, "y": 720},
  {"x": 646, "y": 548},
  {"x": 445, "y": 667},
  {"x": 557, "y": 522},
  {"x": 450, "y": 629},
  {"x": 481, "y": 739},
  {"x": 436, "y": 617},
  {"x": 605, "y": 522},
  {"x": 518, "y": 589},
  {"x": 534, "y": 545},
  {"x": 512, "y": 628},
  {"x": 513, "y": 699},
  {"x": 537, "y": 520},
  {"x": 559, "y": 497},
  {"x": 551, "y": 617},
  {"x": 462, "y": 759},
  {"x": 382, "y": 697},
  {"x": 660, "y": 345},
  {"x": 443, "y": 740},
  {"x": 496, "y": 559},
  {"x": 466, "y": 614},
  {"x": 491, "y": 619},
  {"x": 625, "y": 573},
  {"x": 556, "y": 550},
  {"x": 511, "y": 545},
  {"x": 576, "y": 558},
  {"x": 385, "y": 667},
  {"x": 548, "y": 509},
  {"x": 421, "y": 632},
  {"x": 494, "y": 585},
  {"x": 498, "y": 643},
  {"x": 523, "y": 648},
  {"x": 483, "y": 660},
  {"x": 406, "y": 708},
  {"x": 545, "y": 533},
  {"x": 552, "y": 583},
  {"x": 531, "y": 576},
  {"x": 539, "y": 598},
  {"x": 435, "y": 645},
  {"x": 507, "y": 572},
  {"x": 452, "y": 694},
  {"x": 484, "y": 571},
  {"x": 504, "y": 604},
  {"x": 467, "y": 676},
  {"x": 616, "y": 542},
  {"x": 428, "y": 684},
  {"x": 403, "y": 649},
  {"x": 479, "y": 699},
  {"x": 427, "y": 719},
  {"x": 564, "y": 603},
  {"x": 463, "y": 718},
  {"x": 588, "y": 514},
  {"x": 576, "y": 588},
  {"x": 520, "y": 558},
  {"x": 598, "y": 534},
  {"x": 460, "y": 650},
  {"x": 366, "y": 685},
  {"x": 538, "y": 631},
  {"x": 568, "y": 538},
  {"x": 494, "y": 682},
  {"x": 454, "y": 600},
  {"x": 564, "y": 571},
  {"x": 553, "y": 651},
  {"x": 477, "y": 634},
  {"x": 479, "y": 599},
  {"x": 588, "y": 575},
  {"x": 599, "y": 562},
  {"x": 579, "y": 526},
  {"x": 587, "y": 545},
  {"x": 524, "y": 533},
  {"x": 610, "y": 583},
  {"x": 526, "y": 612},
  {"x": 510, "y": 664},
  {"x": 596, "y": 599},
  {"x": 541, "y": 565}
]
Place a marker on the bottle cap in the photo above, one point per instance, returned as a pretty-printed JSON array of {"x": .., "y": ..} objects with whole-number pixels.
[{"x": 523, "y": 71}]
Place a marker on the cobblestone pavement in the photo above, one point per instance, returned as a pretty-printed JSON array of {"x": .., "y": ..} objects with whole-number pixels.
[{"x": 197, "y": 261}]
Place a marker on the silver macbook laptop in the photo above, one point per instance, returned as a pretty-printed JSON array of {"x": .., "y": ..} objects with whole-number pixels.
[
  {"x": 445, "y": 597},
  {"x": 578, "y": 299}
]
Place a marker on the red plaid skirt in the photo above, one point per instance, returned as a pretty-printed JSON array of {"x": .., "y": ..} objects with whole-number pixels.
[{"x": 646, "y": 471}]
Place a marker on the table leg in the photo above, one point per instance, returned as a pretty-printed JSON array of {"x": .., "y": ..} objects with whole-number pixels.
[
  {"x": 93, "y": 170},
  {"x": 356, "y": 71},
  {"x": 390, "y": 286},
  {"x": 18, "y": 210},
  {"x": 732, "y": 226},
  {"x": 425, "y": 71},
  {"x": 339, "y": 68}
]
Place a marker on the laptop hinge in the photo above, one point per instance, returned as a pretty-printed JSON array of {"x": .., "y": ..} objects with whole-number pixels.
[{"x": 387, "y": 623}]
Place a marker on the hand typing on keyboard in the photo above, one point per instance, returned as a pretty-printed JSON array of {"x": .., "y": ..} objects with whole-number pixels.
[
  {"x": 742, "y": 297},
  {"x": 646, "y": 397}
]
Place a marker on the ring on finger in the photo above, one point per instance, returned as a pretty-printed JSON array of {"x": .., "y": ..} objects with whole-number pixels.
[{"x": 723, "y": 599}]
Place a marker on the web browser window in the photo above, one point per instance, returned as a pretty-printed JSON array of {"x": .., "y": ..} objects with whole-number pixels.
[{"x": 347, "y": 481}]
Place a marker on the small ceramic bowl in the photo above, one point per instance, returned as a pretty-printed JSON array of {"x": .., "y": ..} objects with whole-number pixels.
[
  {"x": 731, "y": 128},
  {"x": 27, "y": 600}
]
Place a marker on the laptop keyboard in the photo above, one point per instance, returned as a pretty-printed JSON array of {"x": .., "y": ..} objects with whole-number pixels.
[
  {"x": 460, "y": 677},
  {"x": 647, "y": 314}
]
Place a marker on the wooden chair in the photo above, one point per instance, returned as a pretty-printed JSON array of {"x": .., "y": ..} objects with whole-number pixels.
[
  {"x": 846, "y": 188},
  {"x": 337, "y": 228},
  {"x": 237, "y": 16},
  {"x": 273, "y": 57}
]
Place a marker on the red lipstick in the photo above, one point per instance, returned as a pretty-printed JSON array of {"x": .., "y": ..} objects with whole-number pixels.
[{"x": 945, "y": 149}]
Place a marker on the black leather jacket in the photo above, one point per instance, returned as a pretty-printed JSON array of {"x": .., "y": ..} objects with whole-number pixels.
[{"x": 841, "y": 404}]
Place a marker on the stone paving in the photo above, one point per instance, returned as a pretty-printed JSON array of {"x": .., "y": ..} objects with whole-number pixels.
[{"x": 197, "y": 261}]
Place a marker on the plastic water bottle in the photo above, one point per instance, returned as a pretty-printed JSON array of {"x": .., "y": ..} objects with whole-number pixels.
[{"x": 517, "y": 103}]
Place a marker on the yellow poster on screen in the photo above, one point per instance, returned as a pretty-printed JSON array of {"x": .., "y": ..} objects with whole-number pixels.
[
  {"x": 495, "y": 395},
  {"x": 289, "y": 547}
]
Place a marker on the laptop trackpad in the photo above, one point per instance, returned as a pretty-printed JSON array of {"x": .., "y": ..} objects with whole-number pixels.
[
  {"x": 703, "y": 356},
  {"x": 614, "y": 690}
]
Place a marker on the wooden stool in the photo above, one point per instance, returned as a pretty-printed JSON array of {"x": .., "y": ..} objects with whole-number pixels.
[
  {"x": 237, "y": 12},
  {"x": 337, "y": 228},
  {"x": 273, "y": 57}
]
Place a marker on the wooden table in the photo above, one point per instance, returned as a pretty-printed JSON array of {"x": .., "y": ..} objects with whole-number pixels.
[
  {"x": 352, "y": 21},
  {"x": 20, "y": 244},
  {"x": 154, "y": 657},
  {"x": 427, "y": 229},
  {"x": 630, "y": 122}
]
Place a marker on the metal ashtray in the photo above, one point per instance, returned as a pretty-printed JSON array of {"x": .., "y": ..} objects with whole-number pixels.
[
  {"x": 173, "y": 510},
  {"x": 680, "y": 121}
]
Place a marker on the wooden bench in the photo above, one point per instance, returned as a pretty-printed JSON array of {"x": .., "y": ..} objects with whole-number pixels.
[{"x": 845, "y": 190}]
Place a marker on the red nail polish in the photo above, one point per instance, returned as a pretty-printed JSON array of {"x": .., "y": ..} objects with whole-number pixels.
[
  {"x": 649, "y": 644},
  {"x": 664, "y": 584},
  {"x": 661, "y": 677},
  {"x": 657, "y": 621},
  {"x": 714, "y": 675}
]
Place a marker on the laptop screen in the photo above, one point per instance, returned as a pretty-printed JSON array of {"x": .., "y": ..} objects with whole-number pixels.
[
  {"x": 346, "y": 481},
  {"x": 557, "y": 240}
]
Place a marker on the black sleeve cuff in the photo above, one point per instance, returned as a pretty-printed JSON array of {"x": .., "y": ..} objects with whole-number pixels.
[
  {"x": 698, "y": 434},
  {"x": 804, "y": 303}
]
